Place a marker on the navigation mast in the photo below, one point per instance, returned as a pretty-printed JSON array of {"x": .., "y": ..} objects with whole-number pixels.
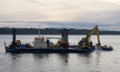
[{"x": 39, "y": 30}]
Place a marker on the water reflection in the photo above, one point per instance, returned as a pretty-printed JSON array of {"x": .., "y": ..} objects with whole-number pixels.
[
  {"x": 52, "y": 57},
  {"x": 98, "y": 54},
  {"x": 21, "y": 62},
  {"x": 85, "y": 57},
  {"x": 84, "y": 54},
  {"x": 15, "y": 59},
  {"x": 51, "y": 62},
  {"x": 41, "y": 55},
  {"x": 64, "y": 57}
]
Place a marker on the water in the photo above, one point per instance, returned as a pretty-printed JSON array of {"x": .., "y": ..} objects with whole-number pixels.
[{"x": 98, "y": 61}]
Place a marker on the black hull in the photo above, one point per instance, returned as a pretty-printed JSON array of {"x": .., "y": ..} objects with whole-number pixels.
[
  {"x": 107, "y": 49},
  {"x": 48, "y": 50}
]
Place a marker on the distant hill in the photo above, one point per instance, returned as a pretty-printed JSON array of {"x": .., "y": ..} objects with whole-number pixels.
[{"x": 53, "y": 31}]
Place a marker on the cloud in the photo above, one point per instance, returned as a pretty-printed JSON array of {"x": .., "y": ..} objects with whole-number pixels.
[
  {"x": 37, "y": 2},
  {"x": 106, "y": 16},
  {"x": 60, "y": 13},
  {"x": 112, "y": 2}
]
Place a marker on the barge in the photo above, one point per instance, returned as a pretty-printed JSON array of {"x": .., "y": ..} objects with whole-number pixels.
[{"x": 42, "y": 46}]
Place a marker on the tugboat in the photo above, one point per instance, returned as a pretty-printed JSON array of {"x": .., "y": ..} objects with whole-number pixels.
[{"x": 42, "y": 46}]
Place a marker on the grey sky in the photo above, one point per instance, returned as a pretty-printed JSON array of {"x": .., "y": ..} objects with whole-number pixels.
[{"x": 23, "y": 12}]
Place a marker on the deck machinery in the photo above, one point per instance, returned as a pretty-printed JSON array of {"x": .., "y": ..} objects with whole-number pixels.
[{"x": 86, "y": 42}]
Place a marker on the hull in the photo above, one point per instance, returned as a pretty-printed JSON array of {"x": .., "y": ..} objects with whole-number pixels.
[
  {"x": 48, "y": 50},
  {"x": 107, "y": 49}
]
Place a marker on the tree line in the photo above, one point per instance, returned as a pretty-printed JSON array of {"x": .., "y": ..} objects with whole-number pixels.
[{"x": 52, "y": 31}]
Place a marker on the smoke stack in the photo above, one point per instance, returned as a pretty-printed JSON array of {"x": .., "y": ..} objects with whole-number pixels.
[{"x": 14, "y": 35}]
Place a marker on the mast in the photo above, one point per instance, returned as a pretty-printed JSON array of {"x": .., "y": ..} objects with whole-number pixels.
[{"x": 39, "y": 30}]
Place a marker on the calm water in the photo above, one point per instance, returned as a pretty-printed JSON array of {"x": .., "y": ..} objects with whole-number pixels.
[{"x": 98, "y": 61}]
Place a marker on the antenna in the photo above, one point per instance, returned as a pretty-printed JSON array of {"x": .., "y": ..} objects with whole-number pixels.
[{"x": 39, "y": 30}]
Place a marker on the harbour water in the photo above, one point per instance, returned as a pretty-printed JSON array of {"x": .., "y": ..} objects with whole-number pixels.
[{"x": 98, "y": 61}]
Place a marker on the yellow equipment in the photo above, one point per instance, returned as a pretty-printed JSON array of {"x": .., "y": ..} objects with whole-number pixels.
[
  {"x": 61, "y": 42},
  {"x": 86, "y": 41},
  {"x": 18, "y": 42},
  {"x": 52, "y": 45}
]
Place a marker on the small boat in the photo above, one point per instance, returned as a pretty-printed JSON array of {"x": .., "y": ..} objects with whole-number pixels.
[{"x": 107, "y": 48}]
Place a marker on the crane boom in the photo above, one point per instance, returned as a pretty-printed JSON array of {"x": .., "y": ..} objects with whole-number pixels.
[
  {"x": 96, "y": 30},
  {"x": 85, "y": 42}
]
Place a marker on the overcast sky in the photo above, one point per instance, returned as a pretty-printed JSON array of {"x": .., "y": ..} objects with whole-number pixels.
[{"x": 60, "y": 13}]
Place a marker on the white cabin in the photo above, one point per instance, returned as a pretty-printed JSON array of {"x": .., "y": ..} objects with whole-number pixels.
[{"x": 39, "y": 42}]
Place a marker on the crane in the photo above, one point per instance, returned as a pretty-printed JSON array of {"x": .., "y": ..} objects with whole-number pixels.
[{"x": 85, "y": 42}]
